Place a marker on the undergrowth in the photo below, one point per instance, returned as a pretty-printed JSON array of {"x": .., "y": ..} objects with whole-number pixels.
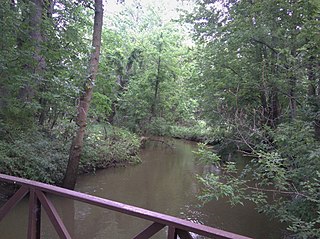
[{"x": 42, "y": 155}]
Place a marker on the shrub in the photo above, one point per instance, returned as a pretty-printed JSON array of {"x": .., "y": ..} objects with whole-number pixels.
[
  {"x": 283, "y": 180},
  {"x": 158, "y": 127},
  {"x": 108, "y": 146},
  {"x": 34, "y": 155},
  {"x": 200, "y": 132},
  {"x": 43, "y": 157}
]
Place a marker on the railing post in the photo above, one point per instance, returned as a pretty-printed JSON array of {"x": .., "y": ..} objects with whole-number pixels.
[
  {"x": 172, "y": 234},
  {"x": 34, "y": 223},
  {"x": 184, "y": 234}
]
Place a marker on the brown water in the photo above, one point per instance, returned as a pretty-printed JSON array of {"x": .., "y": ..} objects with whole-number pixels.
[{"x": 164, "y": 182}]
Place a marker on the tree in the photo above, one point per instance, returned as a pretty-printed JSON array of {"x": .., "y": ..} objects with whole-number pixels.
[
  {"x": 144, "y": 58},
  {"x": 257, "y": 53},
  {"x": 85, "y": 99},
  {"x": 258, "y": 77}
]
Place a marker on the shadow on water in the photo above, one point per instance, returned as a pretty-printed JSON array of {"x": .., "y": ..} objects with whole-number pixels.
[{"x": 164, "y": 182}]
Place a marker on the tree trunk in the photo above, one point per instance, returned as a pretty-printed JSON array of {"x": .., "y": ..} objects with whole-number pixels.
[
  {"x": 156, "y": 91},
  {"x": 157, "y": 83},
  {"x": 317, "y": 129},
  {"x": 265, "y": 110},
  {"x": 313, "y": 94},
  {"x": 312, "y": 78},
  {"x": 27, "y": 92},
  {"x": 70, "y": 177},
  {"x": 292, "y": 89},
  {"x": 30, "y": 89},
  {"x": 123, "y": 81},
  {"x": 36, "y": 35},
  {"x": 317, "y": 120},
  {"x": 274, "y": 104},
  {"x": 43, "y": 114},
  {"x": 292, "y": 99}
]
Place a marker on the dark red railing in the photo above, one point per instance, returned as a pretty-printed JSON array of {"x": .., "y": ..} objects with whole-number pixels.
[{"x": 37, "y": 197}]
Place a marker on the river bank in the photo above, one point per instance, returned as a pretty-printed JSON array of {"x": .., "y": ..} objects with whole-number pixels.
[{"x": 43, "y": 156}]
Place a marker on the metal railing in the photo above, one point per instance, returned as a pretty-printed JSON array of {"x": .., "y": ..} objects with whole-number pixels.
[{"x": 37, "y": 200}]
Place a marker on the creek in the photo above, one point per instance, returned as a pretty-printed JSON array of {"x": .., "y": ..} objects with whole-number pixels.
[{"x": 165, "y": 182}]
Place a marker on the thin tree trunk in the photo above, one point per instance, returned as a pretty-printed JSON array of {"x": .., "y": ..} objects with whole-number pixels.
[
  {"x": 312, "y": 78},
  {"x": 265, "y": 110},
  {"x": 123, "y": 81},
  {"x": 43, "y": 114},
  {"x": 274, "y": 101},
  {"x": 317, "y": 129},
  {"x": 292, "y": 90},
  {"x": 292, "y": 99},
  {"x": 274, "y": 97},
  {"x": 313, "y": 94},
  {"x": 81, "y": 120},
  {"x": 156, "y": 89},
  {"x": 317, "y": 121}
]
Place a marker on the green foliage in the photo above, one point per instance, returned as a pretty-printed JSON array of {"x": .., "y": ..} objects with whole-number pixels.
[
  {"x": 158, "y": 126},
  {"x": 200, "y": 132},
  {"x": 43, "y": 157},
  {"x": 101, "y": 105},
  {"x": 283, "y": 182},
  {"x": 139, "y": 49},
  {"x": 36, "y": 156},
  {"x": 107, "y": 146},
  {"x": 18, "y": 117},
  {"x": 216, "y": 186},
  {"x": 207, "y": 156},
  {"x": 251, "y": 78},
  {"x": 295, "y": 140},
  {"x": 250, "y": 55},
  {"x": 257, "y": 75},
  {"x": 151, "y": 68}
]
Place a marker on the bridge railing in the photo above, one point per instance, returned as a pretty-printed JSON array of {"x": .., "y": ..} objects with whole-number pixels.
[{"x": 38, "y": 200}]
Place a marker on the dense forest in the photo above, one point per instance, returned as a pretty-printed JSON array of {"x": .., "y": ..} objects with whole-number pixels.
[{"x": 81, "y": 90}]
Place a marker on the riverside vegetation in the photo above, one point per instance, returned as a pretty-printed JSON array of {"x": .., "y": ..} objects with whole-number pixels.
[{"x": 241, "y": 74}]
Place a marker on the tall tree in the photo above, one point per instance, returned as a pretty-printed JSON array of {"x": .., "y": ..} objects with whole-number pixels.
[
  {"x": 85, "y": 99},
  {"x": 145, "y": 58},
  {"x": 154, "y": 104},
  {"x": 257, "y": 53},
  {"x": 259, "y": 67},
  {"x": 37, "y": 66}
]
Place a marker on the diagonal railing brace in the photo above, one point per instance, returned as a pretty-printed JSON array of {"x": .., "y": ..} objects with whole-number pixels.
[
  {"x": 53, "y": 216},
  {"x": 13, "y": 201},
  {"x": 150, "y": 231}
]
